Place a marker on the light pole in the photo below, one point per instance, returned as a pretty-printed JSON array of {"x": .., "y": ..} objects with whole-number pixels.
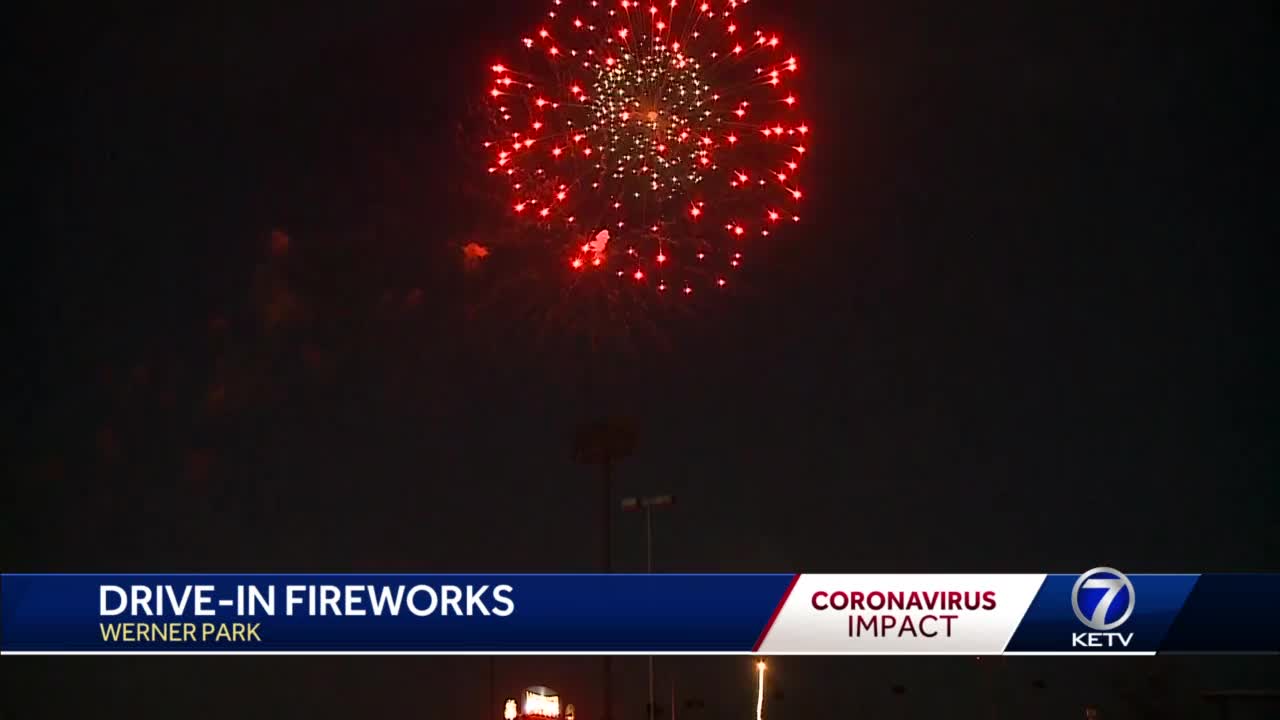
[
  {"x": 760, "y": 691},
  {"x": 604, "y": 443},
  {"x": 647, "y": 504}
]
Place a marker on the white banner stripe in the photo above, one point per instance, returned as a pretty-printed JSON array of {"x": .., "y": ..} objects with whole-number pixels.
[
  {"x": 393, "y": 653},
  {"x": 1082, "y": 653}
]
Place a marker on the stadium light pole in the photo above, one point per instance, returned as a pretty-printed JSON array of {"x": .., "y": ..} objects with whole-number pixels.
[
  {"x": 604, "y": 443},
  {"x": 647, "y": 505}
]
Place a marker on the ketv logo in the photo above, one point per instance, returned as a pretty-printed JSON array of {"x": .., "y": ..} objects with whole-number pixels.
[{"x": 1103, "y": 599}]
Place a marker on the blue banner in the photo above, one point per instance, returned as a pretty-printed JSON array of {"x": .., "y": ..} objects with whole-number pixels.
[
  {"x": 1236, "y": 613},
  {"x": 1101, "y": 611},
  {"x": 387, "y": 613},
  {"x": 1137, "y": 621},
  {"x": 1214, "y": 613}
]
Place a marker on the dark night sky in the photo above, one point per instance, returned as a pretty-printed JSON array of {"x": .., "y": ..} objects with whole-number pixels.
[{"x": 1024, "y": 328}]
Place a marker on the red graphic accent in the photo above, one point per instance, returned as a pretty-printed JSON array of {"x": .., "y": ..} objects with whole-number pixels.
[{"x": 773, "y": 618}]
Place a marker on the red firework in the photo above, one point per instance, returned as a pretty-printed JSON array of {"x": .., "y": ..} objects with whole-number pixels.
[{"x": 655, "y": 138}]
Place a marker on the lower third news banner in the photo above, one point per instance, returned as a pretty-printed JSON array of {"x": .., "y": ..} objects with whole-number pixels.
[{"x": 1100, "y": 612}]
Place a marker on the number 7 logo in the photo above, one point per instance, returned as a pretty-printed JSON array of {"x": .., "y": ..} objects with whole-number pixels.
[{"x": 1112, "y": 581}]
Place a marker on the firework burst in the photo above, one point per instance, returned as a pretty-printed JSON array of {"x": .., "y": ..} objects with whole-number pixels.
[{"x": 650, "y": 142}]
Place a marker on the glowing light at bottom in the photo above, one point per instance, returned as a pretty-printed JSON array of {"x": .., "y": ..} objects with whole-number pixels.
[{"x": 760, "y": 692}]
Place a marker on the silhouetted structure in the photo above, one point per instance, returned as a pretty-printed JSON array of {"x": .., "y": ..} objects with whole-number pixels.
[{"x": 604, "y": 443}]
